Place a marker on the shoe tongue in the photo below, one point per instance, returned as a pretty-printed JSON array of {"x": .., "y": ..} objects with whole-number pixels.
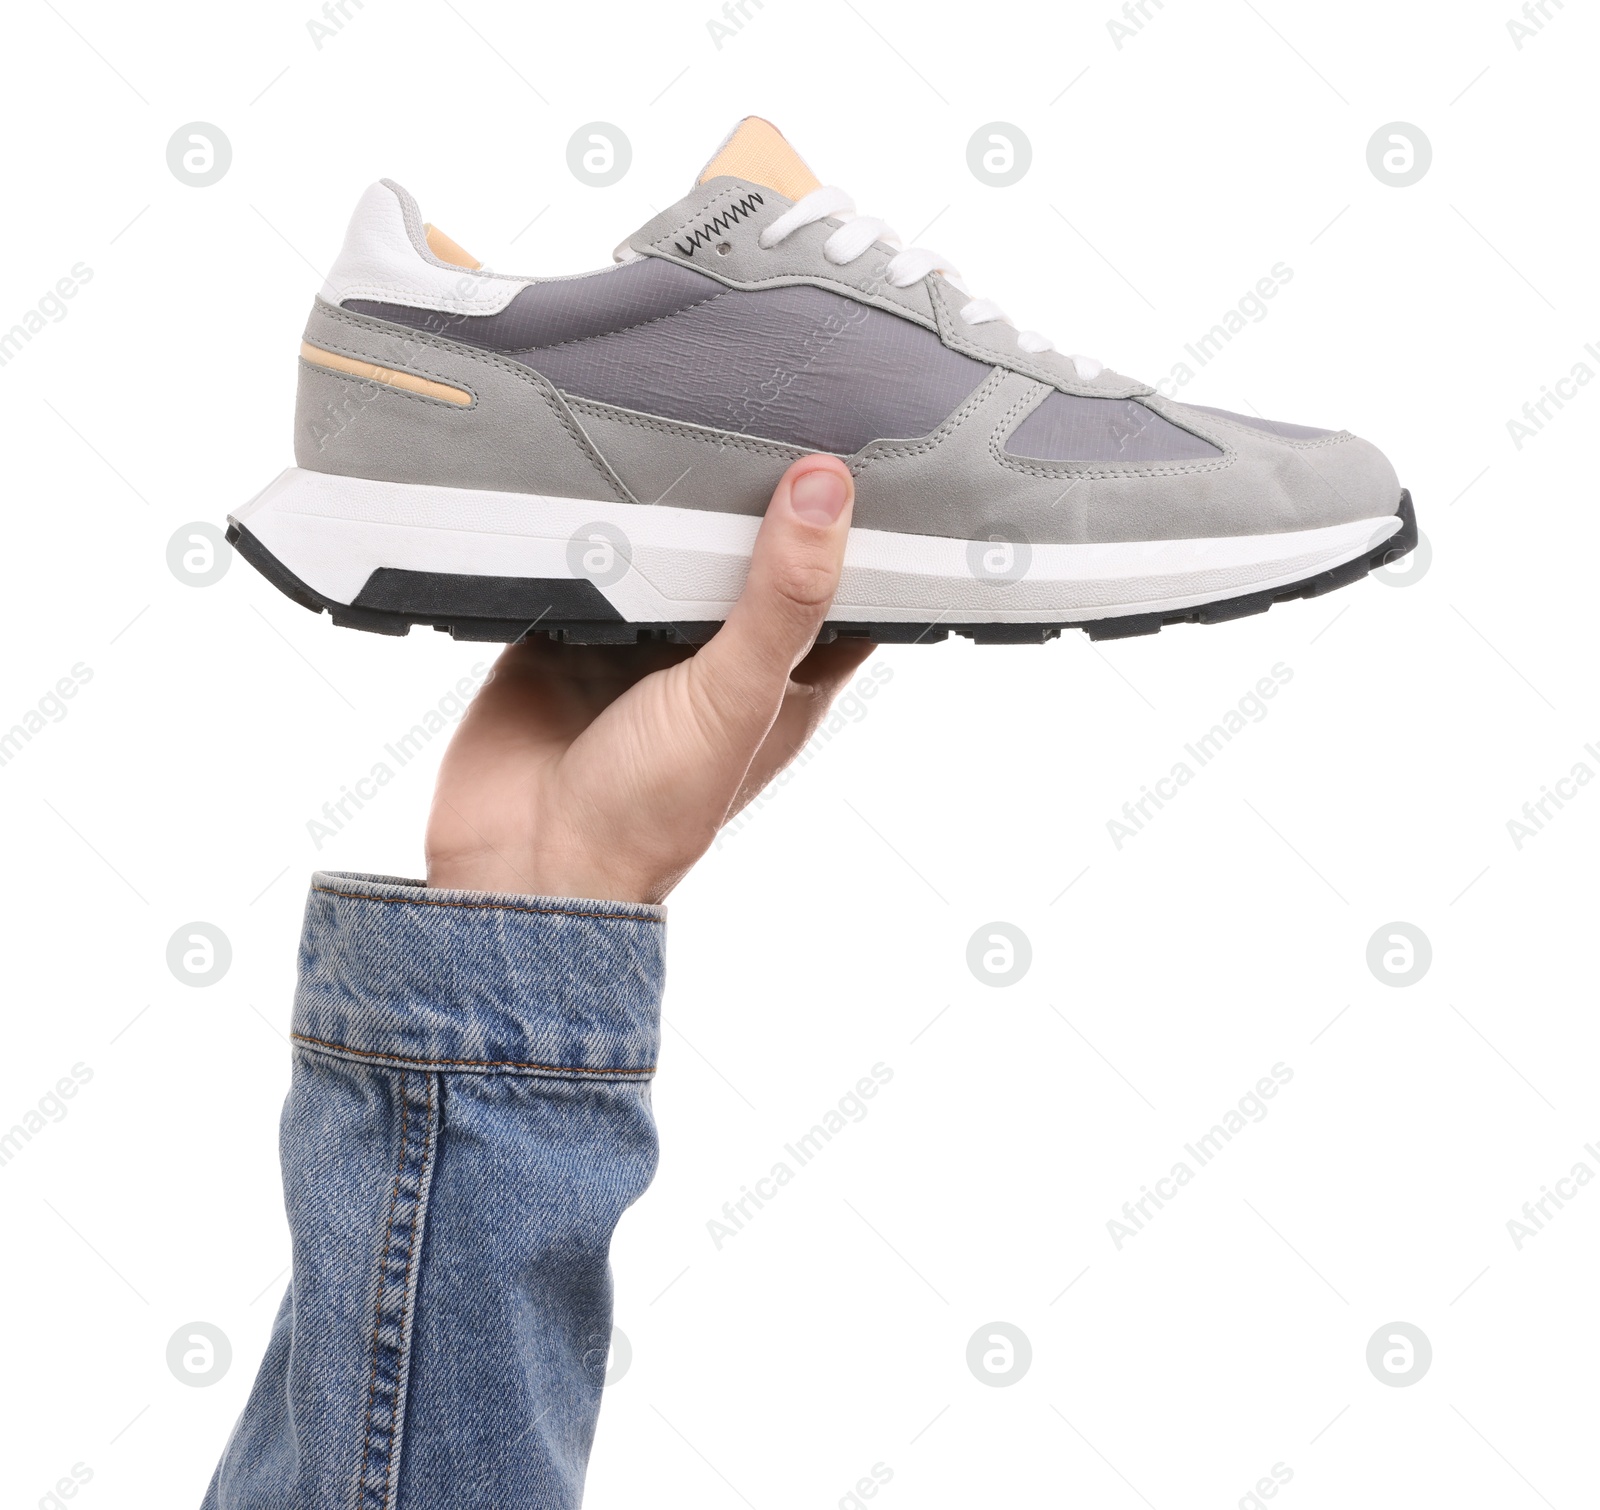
[{"x": 756, "y": 151}]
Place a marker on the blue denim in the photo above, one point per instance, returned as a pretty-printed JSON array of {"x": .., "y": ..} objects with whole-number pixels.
[{"x": 469, "y": 1116}]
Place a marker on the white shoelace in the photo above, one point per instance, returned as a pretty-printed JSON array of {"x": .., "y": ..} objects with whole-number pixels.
[{"x": 910, "y": 264}]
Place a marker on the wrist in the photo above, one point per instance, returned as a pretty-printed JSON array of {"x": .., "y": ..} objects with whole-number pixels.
[{"x": 543, "y": 876}]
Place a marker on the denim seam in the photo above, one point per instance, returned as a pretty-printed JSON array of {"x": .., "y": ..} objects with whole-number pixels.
[
  {"x": 408, "y": 1292},
  {"x": 560, "y": 912},
  {"x": 470, "y": 1064},
  {"x": 407, "y": 1204},
  {"x": 377, "y": 1312}
]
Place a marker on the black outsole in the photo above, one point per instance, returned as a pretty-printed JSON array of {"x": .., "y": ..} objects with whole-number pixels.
[{"x": 502, "y": 610}]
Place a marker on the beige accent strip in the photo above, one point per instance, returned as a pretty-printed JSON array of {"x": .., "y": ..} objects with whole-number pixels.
[
  {"x": 449, "y": 251},
  {"x": 375, "y": 374},
  {"x": 758, "y": 152}
]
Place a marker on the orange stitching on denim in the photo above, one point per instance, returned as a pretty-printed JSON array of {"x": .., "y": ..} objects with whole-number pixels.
[
  {"x": 482, "y": 1064},
  {"x": 560, "y": 912},
  {"x": 405, "y": 1294},
  {"x": 383, "y": 1264}
]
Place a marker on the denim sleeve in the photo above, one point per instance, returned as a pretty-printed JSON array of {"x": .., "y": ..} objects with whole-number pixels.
[{"x": 469, "y": 1116}]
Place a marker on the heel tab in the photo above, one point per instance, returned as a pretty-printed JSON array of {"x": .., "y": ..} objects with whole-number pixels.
[{"x": 387, "y": 257}]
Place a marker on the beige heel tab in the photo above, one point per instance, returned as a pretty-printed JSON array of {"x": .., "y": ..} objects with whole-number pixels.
[
  {"x": 449, "y": 251},
  {"x": 389, "y": 256},
  {"x": 756, "y": 151}
]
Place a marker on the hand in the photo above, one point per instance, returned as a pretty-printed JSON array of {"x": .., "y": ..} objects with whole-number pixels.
[{"x": 588, "y": 771}]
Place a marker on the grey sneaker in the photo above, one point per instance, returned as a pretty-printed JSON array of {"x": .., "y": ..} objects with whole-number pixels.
[{"x": 588, "y": 456}]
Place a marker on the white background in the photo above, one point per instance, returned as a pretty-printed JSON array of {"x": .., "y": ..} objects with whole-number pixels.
[{"x": 830, "y": 932}]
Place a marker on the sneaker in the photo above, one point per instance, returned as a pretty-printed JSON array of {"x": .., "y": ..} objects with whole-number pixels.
[{"x": 589, "y": 456}]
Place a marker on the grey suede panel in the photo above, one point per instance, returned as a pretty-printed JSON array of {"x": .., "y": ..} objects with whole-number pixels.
[
  {"x": 554, "y": 310},
  {"x": 996, "y": 342},
  {"x": 960, "y": 482},
  {"x": 685, "y": 466},
  {"x": 721, "y": 224},
  {"x": 521, "y": 435},
  {"x": 518, "y": 435},
  {"x": 1281, "y": 428},
  {"x": 797, "y": 364},
  {"x": 1066, "y": 427}
]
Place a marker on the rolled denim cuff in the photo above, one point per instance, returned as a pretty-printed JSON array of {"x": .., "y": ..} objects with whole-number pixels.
[{"x": 392, "y": 972}]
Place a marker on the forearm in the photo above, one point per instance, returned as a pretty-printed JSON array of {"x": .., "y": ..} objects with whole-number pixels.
[
  {"x": 469, "y": 1117},
  {"x": 470, "y": 1109}
]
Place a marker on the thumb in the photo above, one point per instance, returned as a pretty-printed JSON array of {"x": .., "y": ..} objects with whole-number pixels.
[{"x": 794, "y": 573}]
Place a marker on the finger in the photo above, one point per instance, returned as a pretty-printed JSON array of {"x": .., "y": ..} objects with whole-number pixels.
[
  {"x": 539, "y": 690},
  {"x": 832, "y": 664},
  {"x": 587, "y": 665},
  {"x": 817, "y": 681},
  {"x": 742, "y": 673}
]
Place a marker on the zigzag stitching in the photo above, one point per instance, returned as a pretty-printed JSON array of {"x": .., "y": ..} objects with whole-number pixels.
[{"x": 725, "y": 221}]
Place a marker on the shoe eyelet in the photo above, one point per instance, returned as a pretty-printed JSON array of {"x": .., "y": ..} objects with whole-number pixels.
[{"x": 724, "y": 247}]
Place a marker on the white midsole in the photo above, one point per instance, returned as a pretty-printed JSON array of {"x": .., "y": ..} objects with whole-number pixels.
[{"x": 690, "y": 564}]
